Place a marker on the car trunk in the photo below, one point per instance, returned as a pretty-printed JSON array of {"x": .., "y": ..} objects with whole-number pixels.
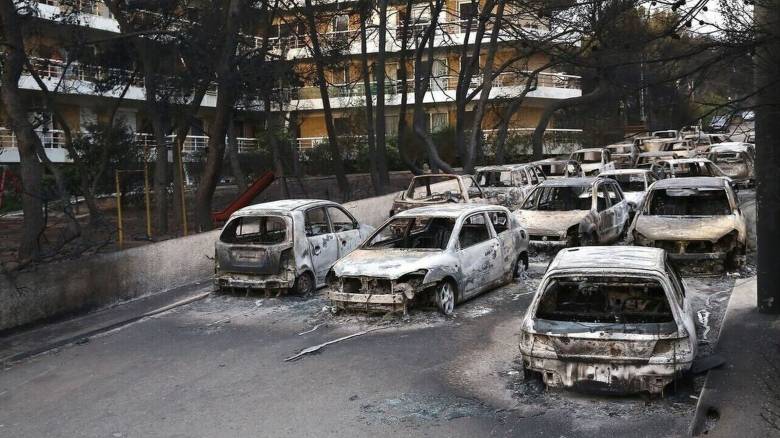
[{"x": 255, "y": 245}]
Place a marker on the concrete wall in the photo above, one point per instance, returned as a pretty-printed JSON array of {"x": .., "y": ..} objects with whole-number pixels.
[{"x": 63, "y": 288}]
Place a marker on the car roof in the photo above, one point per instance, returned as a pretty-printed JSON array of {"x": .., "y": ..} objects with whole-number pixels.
[
  {"x": 589, "y": 150},
  {"x": 505, "y": 167},
  {"x": 438, "y": 175},
  {"x": 687, "y": 160},
  {"x": 730, "y": 147},
  {"x": 448, "y": 210},
  {"x": 624, "y": 172},
  {"x": 610, "y": 257},
  {"x": 283, "y": 205},
  {"x": 569, "y": 182},
  {"x": 691, "y": 182},
  {"x": 618, "y": 145}
]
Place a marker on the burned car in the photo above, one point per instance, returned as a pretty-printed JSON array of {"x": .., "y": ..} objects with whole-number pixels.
[
  {"x": 438, "y": 255},
  {"x": 689, "y": 167},
  {"x": 509, "y": 184},
  {"x": 593, "y": 161},
  {"x": 736, "y": 161},
  {"x": 674, "y": 148},
  {"x": 623, "y": 154},
  {"x": 693, "y": 219},
  {"x": 283, "y": 245},
  {"x": 575, "y": 211},
  {"x": 555, "y": 168},
  {"x": 435, "y": 189},
  {"x": 614, "y": 319},
  {"x": 634, "y": 183}
]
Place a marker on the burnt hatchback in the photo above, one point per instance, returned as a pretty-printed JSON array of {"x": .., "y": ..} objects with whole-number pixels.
[
  {"x": 612, "y": 319},
  {"x": 282, "y": 245}
]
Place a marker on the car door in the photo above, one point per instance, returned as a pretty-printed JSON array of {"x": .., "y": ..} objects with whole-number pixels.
[
  {"x": 501, "y": 226},
  {"x": 323, "y": 247},
  {"x": 478, "y": 254},
  {"x": 605, "y": 221},
  {"x": 619, "y": 207},
  {"x": 346, "y": 229}
]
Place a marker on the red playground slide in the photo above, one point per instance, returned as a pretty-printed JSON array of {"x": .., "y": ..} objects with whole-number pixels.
[{"x": 245, "y": 198}]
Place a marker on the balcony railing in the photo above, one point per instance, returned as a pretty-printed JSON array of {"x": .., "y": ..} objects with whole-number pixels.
[
  {"x": 50, "y": 138},
  {"x": 194, "y": 143},
  {"x": 75, "y": 71}
]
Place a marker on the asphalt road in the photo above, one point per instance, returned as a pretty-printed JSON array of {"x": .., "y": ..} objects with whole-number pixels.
[{"x": 216, "y": 368}]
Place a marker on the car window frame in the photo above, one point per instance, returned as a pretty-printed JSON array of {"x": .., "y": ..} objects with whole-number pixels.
[
  {"x": 600, "y": 186},
  {"x": 355, "y": 223},
  {"x": 488, "y": 226},
  {"x": 490, "y": 219},
  {"x": 327, "y": 218}
]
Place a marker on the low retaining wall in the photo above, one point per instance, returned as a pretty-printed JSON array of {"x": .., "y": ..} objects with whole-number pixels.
[{"x": 57, "y": 289}]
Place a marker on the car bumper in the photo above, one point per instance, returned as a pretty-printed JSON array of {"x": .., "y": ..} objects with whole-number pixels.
[
  {"x": 547, "y": 240},
  {"x": 367, "y": 302},
  {"x": 249, "y": 281},
  {"x": 627, "y": 377},
  {"x": 692, "y": 256}
]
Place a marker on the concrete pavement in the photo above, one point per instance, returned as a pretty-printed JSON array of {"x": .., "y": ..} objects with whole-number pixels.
[{"x": 742, "y": 398}]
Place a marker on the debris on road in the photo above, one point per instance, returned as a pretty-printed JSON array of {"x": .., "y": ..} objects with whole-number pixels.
[
  {"x": 311, "y": 330},
  {"x": 316, "y": 348}
]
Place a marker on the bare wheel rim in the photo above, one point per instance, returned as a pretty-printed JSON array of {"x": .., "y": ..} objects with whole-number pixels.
[
  {"x": 446, "y": 298},
  {"x": 304, "y": 284},
  {"x": 520, "y": 267}
]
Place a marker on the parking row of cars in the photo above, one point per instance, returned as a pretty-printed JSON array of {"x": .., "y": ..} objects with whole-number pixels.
[{"x": 602, "y": 315}]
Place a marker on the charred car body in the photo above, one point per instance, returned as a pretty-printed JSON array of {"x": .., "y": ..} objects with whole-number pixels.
[
  {"x": 634, "y": 183},
  {"x": 282, "y": 245},
  {"x": 508, "y": 185},
  {"x": 693, "y": 219},
  {"x": 553, "y": 168},
  {"x": 573, "y": 211},
  {"x": 440, "y": 255},
  {"x": 623, "y": 154},
  {"x": 736, "y": 160},
  {"x": 609, "y": 318},
  {"x": 593, "y": 161},
  {"x": 689, "y": 167},
  {"x": 436, "y": 189}
]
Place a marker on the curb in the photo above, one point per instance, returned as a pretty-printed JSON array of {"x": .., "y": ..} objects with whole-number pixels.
[{"x": 72, "y": 339}]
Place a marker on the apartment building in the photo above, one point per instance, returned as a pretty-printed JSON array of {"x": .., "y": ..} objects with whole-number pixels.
[{"x": 83, "y": 104}]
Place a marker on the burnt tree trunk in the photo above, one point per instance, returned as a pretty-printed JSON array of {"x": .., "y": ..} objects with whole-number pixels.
[
  {"x": 380, "y": 149},
  {"x": 365, "y": 14},
  {"x": 768, "y": 157},
  {"x": 31, "y": 171}
]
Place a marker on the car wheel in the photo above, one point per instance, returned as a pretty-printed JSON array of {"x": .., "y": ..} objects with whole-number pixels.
[
  {"x": 304, "y": 284},
  {"x": 735, "y": 259},
  {"x": 588, "y": 239},
  {"x": 445, "y": 297},
  {"x": 521, "y": 266}
]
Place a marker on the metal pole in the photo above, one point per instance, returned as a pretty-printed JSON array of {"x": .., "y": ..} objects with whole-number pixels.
[
  {"x": 120, "y": 233},
  {"x": 146, "y": 198},
  {"x": 179, "y": 147}
]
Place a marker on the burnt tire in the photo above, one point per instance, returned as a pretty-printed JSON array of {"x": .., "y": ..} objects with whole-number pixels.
[
  {"x": 521, "y": 265},
  {"x": 444, "y": 295},
  {"x": 304, "y": 284},
  {"x": 735, "y": 259},
  {"x": 588, "y": 239}
]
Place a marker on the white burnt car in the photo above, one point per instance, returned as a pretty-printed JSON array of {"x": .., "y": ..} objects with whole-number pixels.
[
  {"x": 634, "y": 183},
  {"x": 282, "y": 245},
  {"x": 736, "y": 160},
  {"x": 433, "y": 189},
  {"x": 593, "y": 160},
  {"x": 612, "y": 319},
  {"x": 438, "y": 255},
  {"x": 693, "y": 219},
  {"x": 508, "y": 184},
  {"x": 575, "y": 211},
  {"x": 689, "y": 167}
]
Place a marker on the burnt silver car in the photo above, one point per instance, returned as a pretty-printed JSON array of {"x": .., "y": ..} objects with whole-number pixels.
[
  {"x": 438, "y": 255},
  {"x": 509, "y": 184},
  {"x": 693, "y": 219},
  {"x": 575, "y": 211},
  {"x": 433, "y": 189},
  {"x": 559, "y": 168},
  {"x": 613, "y": 319},
  {"x": 624, "y": 155},
  {"x": 736, "y": 160},
  {"x": 283, "y": 245},
  {"x": 593, "y": 160}
]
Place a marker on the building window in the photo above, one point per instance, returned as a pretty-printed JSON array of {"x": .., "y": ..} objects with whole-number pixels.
[{"x": 438, "y": 121}]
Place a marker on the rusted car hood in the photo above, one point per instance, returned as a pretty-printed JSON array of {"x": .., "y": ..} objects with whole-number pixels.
[
  {"x": 384, "y": 263},
  {"x": 539, "y": 222},
  {"x": 685, "y": 228}
]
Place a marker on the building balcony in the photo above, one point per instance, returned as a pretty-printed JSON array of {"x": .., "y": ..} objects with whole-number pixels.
[
  {"x": 441, "y": 90},
  {"x": 84, "y": 79}
]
